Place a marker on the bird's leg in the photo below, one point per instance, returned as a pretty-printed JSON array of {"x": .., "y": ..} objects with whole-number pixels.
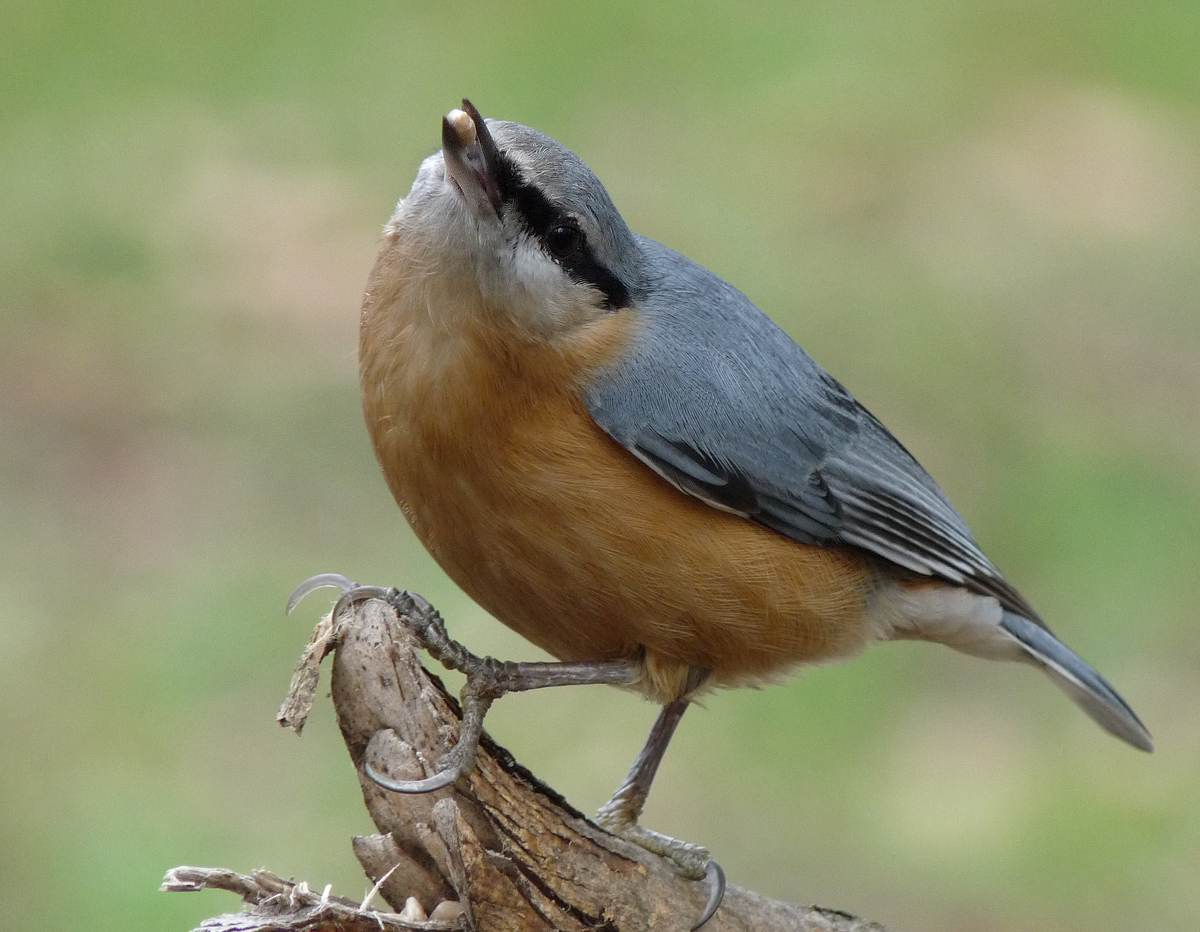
[
  {"x": 620, "y": 814},
  {"x": 487, "y": 678}
]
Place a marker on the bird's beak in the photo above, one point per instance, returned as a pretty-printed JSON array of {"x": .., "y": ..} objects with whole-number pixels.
[{"x": 471, "y": 158}]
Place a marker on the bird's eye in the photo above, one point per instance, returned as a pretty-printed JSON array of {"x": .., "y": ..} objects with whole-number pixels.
[{"x": 563, "y": 240}]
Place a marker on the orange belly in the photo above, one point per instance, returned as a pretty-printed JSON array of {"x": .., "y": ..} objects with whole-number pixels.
[{"x": 566, "y": 537}]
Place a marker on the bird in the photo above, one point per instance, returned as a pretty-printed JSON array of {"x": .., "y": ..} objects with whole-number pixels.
[{"x": 619, "y": 456}]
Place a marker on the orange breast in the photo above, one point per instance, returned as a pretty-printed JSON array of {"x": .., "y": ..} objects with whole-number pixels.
[{"x": 566, "y": 537}]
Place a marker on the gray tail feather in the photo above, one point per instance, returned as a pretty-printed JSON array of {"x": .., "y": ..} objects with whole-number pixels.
[{"x": 1087, "y": 688}]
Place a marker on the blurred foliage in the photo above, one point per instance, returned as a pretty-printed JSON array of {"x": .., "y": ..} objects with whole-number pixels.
[{"x": 982, "y": 216}]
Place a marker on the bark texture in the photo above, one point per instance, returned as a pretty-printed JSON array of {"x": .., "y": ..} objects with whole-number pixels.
[{"x": 499, "y": 850}]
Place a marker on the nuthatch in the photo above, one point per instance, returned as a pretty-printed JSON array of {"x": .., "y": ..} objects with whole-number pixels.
[{"x": 619, "y": 456}]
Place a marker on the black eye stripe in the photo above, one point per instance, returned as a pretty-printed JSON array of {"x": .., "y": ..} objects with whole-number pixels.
[{"x": 540, "y": 215}]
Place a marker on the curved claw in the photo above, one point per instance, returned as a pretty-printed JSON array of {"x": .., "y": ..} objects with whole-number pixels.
[
  {"x": 428, "y": 785},
  {"x": 320, "y": 581},
  {"x": 714, "y": 879},
  {"x": 358, "y": 594}
]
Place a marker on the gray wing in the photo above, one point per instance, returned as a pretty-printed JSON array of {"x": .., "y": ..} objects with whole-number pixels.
[{"x": 725, "y": 406}]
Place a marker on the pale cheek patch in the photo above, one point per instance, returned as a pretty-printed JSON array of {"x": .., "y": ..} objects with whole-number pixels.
[
  {"x": 945, "y": 614},
  {"x": 539, "y": 295},
  {"x": 536, "y": 271}
]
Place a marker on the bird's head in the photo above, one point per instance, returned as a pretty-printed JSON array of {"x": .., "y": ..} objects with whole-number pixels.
[{"x": 508, "y": 211}]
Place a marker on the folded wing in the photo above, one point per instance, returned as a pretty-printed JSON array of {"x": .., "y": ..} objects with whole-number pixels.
[{"x": 726, "y": 407}]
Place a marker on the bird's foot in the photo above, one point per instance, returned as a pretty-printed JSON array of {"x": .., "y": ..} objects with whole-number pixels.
[
  {"x": 429, "y": 630},
  {"x": 693, "y": 861},
  {"x": 690, "y": 859},
  {"x": 487, "y": 678}
]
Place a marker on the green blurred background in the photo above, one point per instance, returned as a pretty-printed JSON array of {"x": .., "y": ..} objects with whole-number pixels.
[{"x": 983, "y": 217}]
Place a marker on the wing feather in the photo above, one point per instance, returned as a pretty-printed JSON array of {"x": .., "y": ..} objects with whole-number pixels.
[{"x": 727, "y": 408}]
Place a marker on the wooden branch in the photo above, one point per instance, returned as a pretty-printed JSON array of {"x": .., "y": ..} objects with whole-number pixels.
[
  {"x": 283, "y": 906},
  {"x": 505, "y": 850}
]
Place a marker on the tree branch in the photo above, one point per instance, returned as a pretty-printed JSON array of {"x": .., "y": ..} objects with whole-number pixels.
[
  {"x": 499, "y": 846},
  {"x": 283, "y": 906}
]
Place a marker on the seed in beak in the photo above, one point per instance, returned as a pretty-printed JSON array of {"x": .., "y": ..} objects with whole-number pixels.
[{"x": 463, "y": 127}]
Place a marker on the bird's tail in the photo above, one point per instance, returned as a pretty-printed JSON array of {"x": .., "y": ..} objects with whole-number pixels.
[{"x": 1087, "y": 688}]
